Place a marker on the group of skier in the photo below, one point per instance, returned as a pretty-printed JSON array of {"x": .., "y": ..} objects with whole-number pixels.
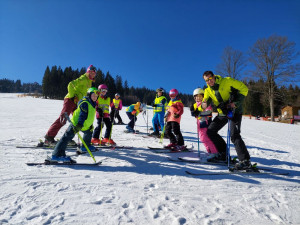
[{"x": 86, "y": 102}]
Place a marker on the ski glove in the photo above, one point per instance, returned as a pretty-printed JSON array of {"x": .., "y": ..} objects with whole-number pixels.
[
  {"x": 77, "y": 128},
  {"x": 100, "y": 111},
  {"x": 133, "y": 112},
  {"x": 176, "y": 115}
]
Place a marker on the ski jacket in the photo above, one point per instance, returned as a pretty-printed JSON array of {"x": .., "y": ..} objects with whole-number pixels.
[
  {"x": 133, "y": 107},
  {"x": 84, "y": 115},
  {"x": 103, "y": 103},
  {"x": 79, "y": 87},
  {"x": 174, "y": 106},
  {"x": 226, "y": 90},
  {"x": 160, "y": 104},
  {"x": 117, "y": 104},
  {"x": 205, "y": 116}
]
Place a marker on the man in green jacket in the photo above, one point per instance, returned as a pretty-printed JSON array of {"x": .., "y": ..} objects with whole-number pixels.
[
  {"x": 77, "y": 89},
  {"x": 227, "y": 94}
]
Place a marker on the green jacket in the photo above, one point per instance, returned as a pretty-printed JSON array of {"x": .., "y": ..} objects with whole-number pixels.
[
  {"x": 226, "y": 90},
  {"x": 78, "y": 88}
]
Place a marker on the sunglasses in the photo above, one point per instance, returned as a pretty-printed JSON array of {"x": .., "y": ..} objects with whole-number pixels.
[{"x": 208, "y": 79}]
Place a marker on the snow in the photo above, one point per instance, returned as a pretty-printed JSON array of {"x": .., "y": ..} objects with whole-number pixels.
[{"x": 138, "y": 186}]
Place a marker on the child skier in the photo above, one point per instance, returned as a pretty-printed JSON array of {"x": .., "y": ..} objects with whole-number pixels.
[
  {"x": 159, "y": 104},
  {"x": 203, "y": 121},
  {"x": 173, "y": 117},
  {"x": 132, "y": 111},
  {"x": 116, "y": 106},
  {"x": 82, "y": 120},
  {"x": 103, "y": 116}
]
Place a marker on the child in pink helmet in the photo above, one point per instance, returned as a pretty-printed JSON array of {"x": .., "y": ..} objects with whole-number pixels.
[
  {"x": 173, "y": 117},
  {"x": 203, "y": 120}
]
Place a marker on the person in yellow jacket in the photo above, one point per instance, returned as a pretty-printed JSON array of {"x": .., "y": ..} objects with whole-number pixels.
[
  {"x": 77, "y": 89},
  {"x": 227, "y": 94},
  {"x": 116, "y": 105},
  {"x": 159, "y": 104},
  {"x": 102, "y": 115},
  {"x": 82, "y": 120}
]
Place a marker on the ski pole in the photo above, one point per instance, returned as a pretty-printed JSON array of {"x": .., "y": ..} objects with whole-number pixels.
[
  {"x": 228, "y": 144},
  {"x": 112, "y": 125},
  {"x": 163, "y": 132},
  {"x": 147, "y": 118},
  {"x": 198, "y": 129},
  {"x": 101, "y": 129},
  {"x": 83, "y": 142}
]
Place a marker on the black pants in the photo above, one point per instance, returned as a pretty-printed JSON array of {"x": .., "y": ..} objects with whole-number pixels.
[
  {"x": 97, "y": 130},
  {"x": 132, "y": 118},
  {"x": 172, "y": 130},
  {"x": 235, "y": 129},
  {"x": 115, "y": 113}
]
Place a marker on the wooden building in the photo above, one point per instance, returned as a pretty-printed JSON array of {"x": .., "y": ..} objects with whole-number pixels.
[{"x": 290, "y": 112}]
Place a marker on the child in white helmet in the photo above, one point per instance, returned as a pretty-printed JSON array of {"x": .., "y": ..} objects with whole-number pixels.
[{"x": 203, "y": 120}]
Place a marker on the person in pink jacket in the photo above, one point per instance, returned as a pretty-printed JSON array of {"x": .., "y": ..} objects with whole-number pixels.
[
  {"x": 173, "y": 117},
  {"x": 204, "y": 118}
]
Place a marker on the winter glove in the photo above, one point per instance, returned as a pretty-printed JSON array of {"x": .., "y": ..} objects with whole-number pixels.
[
  {"x": 195, "y": 113},
  {"x": 133, "y": 112},
  {"x": 152, "y": 104},
  {"x": 91, "y": 128},
  {"x": 176, "y": 115},
  {"x": 192, "y": 108},
  {"x": 77, "y": 128},
  {"x": 76, "y": 100},
  {"x": 100, "y": 111}
]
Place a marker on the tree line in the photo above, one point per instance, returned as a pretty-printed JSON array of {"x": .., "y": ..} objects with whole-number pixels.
[{"x": 273, "y": 67}]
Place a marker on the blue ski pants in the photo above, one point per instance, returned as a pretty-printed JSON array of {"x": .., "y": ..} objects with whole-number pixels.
[{"x": 158, "y": 120}]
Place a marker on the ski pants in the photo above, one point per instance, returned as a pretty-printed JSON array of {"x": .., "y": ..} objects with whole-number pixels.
[
  {"x": 235, "y": 129},
  {"x": 60, "y": 148},
  {"x": 209, "y": 145},
  {"x": 132, "y": 118},
  {"x": 97, "y": 130},
  {"x": 172, "y": 130},
  {"x": 68, "y": 107},
  {"x": 158, "y": 120},
  {"x": 115, "y": 114}
]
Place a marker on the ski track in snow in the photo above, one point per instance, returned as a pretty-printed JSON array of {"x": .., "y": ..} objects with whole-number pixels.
[{"x": 138, "y": 186}]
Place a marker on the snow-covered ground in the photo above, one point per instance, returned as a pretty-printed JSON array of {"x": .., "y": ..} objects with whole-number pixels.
[{"x": 138, "y": 186}]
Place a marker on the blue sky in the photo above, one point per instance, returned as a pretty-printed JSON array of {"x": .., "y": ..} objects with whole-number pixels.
[{"x": 152, "y": 43}]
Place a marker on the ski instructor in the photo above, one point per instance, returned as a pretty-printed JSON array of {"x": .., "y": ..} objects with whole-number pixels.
[
  {"x": 227, "y": 94},
  {"x": 77, "y": 89}
]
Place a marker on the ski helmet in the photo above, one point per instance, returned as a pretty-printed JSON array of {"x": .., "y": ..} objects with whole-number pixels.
[
  {"x": 92, "y": 90},
  {"x": 117, "y": 94},
  {"x": 91, "y": 68},
  {"x": 173, "y": 93},
  {"x": 102, "y": 86},
  {"x": 198, "y": 91},
  {"x": 160, "y": 89}
]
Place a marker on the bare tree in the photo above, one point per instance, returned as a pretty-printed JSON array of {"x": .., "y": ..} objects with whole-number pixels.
[
  {"x": 272, "y": 58},
  {"x": 232, "y": 63}
]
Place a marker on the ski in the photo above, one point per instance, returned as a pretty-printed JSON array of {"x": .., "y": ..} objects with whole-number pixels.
[
  {"x": 237, "y": 172},
  {"x": 63, "y": 164},
  {"x": 179, "y": 159}
]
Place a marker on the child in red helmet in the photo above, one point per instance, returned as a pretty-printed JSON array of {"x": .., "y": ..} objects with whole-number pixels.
[{"x": 173, "y": 117}]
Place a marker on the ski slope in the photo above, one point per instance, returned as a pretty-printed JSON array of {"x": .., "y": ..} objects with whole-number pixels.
[{"x": 138, "y": 186}]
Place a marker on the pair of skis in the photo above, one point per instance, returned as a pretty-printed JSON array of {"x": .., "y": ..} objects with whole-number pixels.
[
  {"x": 168, "y": 150},
  {"x": 251, "y": 171}
]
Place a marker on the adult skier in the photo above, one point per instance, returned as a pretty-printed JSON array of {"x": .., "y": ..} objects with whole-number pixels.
[
  {"x": 228, "y": 95},
  {"x": 77, "y": 89}
]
